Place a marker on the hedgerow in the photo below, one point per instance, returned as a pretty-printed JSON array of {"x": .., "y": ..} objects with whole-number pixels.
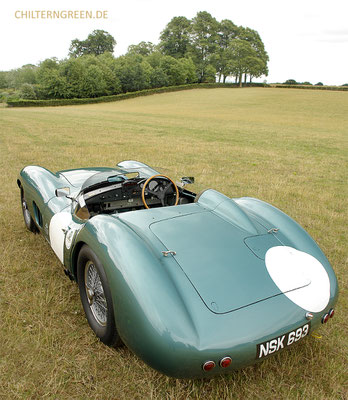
[
  {"x": 311, "y": 87},
  {"x": 122, "y": 96}
]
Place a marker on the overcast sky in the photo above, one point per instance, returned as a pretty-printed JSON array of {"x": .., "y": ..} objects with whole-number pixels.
[{"x": 307, "y": 40}]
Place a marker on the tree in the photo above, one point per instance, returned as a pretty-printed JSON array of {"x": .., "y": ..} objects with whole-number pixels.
[
  {"x": 155, "y": 58},
  {"x": 45, "y": 67},
  {"x": 175, "y": 38},
  {"x": 134, "y": 72},
  {"x": 226, "y": 33},
  {"x": 97, "y": 42},
  {"x": 158, "y": 78},
  {"x": 207, "y": 41},
  {"x": 52, "y": 84},
  {"x": 174, "y": 70},
  {"x": 253, "y": 38},
  {"x": 3, "y": 79},
  {"x": 290, "y": 82},
  {"x": 256, "y": 67},
  {"x": 210, "y": 74},
  {"x": 26, "y": 74},
  {"x": 94, "y": 82},
  {"x": 85, "y": 76},
  {"x": 190, "y": 70},
  {"x": 106, "y": 64},
  {"x": 73, "y": 70},
  {"x": 90, "y": 76},
  {"x": 204, "y": 37},
  {"x": 171, "y": 70},
  {"x": 241, "y": 56},
  {"x": 27, "y": 91},
  {"x": 49, "y": 63},
  {"x": 143, "y": 48}
]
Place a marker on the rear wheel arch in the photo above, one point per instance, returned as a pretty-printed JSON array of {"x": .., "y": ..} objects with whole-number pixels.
[{"x": 96, "y": 296}]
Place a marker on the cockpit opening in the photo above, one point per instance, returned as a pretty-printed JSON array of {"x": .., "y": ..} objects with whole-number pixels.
[{"x": 120, "y": 190}]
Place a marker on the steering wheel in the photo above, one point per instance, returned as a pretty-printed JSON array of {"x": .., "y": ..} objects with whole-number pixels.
[{"x": 160, "y": 190}]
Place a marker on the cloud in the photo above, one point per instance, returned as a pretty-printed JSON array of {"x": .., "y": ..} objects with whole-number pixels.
[
  {"x": 333, "y": 40},
  {"x": 336, "y": 32},
  {"x": 333, "y": 36}
]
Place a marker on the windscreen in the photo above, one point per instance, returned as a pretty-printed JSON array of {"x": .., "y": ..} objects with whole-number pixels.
[{"x": 116, "y": 175}]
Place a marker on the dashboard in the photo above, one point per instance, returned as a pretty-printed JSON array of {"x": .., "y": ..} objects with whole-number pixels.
[{"x": 124, "y": 196}]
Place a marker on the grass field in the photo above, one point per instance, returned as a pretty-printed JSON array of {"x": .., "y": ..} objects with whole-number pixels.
[{"x": 287, "y": 147}]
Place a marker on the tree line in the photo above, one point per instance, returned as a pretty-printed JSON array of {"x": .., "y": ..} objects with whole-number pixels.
[{"x": 189, "y": 51}]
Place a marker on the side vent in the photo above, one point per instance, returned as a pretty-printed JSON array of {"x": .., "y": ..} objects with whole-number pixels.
[{"x": 38, "y": 215}]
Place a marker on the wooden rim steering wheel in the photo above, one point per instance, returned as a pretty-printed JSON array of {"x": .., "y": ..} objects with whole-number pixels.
[{"x": 160, "y": 191}]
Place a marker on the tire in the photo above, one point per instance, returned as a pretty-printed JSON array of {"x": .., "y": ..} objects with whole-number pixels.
[
  {"x": 28, "y": 220},
  {"x": 96, "y": 297}
]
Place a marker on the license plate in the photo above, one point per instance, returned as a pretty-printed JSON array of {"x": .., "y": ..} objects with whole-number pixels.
[{"x": 272, "y": 346}]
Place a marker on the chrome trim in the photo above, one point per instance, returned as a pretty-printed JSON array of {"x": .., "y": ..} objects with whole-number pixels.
[
  {"x": 325, "y": 317},
  {"x": 223, "y": 359},
  {"x": 95, "y": 294},
  {"x": 210, "y": 361},
  {"x": 166, "y": 253},
  {"x": 102, "y": 190},
  {"x": 26, "y": 213},
  {"x": 309, "y": 315}
]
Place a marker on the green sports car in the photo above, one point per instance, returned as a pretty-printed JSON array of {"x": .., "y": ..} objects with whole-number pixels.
[{"x": 194, "y": 284}]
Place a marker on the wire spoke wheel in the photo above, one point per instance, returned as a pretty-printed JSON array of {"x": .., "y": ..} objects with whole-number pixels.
[
  {"x": 95, "y": 294},
  {"x": 96, "y": 297},
  {"x": 26, "y": 213},
  {"x": 28, "y": 220}
]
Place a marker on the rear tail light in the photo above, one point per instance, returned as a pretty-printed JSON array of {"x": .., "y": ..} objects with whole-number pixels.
[
  {"x": 225, "y": 362},
  {"x": 331, "y": 313},
  {"x": 208, "y": 366},
  {"x": 325, "y": 318}
]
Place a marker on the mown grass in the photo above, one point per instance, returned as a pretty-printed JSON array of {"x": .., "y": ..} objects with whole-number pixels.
[{"x": 287, "y": 147}]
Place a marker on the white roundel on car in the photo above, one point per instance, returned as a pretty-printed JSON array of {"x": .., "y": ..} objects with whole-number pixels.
[
  {"x": 300, "y": 276},
  {"x": 58, "y": 224}
]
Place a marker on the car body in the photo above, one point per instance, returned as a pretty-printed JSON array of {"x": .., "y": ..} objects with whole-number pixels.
[{"x": 195, "y": 285}]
